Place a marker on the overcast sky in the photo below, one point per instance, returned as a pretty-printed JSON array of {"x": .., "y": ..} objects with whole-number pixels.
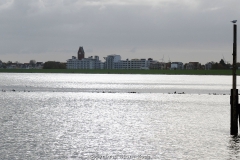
[{"x": 179, "y": 30}]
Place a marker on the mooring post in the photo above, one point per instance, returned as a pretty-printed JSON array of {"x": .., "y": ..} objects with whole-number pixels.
[{"x": 234, "y": 91}]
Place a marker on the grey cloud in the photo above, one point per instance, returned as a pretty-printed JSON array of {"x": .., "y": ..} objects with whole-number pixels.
[
  {"x": 184, "y": 30},
  {"x": 133, "y": 50}
]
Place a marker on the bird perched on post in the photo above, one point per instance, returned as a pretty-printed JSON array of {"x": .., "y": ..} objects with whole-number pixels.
[{"x": 234, "y": 21}]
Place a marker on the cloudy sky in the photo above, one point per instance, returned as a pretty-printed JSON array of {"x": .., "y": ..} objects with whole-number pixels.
[{"x": 178, "y": 30}]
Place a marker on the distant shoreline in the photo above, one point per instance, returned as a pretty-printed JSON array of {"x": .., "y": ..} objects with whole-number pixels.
[{"x": 112, "y": 71}]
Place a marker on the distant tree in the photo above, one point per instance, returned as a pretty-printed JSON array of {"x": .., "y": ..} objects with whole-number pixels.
[
  {"x": 238, "y": 64},
  {"x": 214, "y": 65},
  {"x": 54, "y": 65},
  {"x": 9, "y": 62},
  {"x": 32, "y": 62},
  {"x": 222, "y": 62},
  {"x": 220, "y": 65},
  {"x": 62, "y": 66}
]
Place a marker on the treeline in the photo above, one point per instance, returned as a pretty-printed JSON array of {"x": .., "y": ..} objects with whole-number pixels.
[
  {"x": 54, "y": 65},
  {"x": 221, "y": 65}
]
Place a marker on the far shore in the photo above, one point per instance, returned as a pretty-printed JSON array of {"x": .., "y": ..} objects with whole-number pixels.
[{"x": 112, "y": 71}]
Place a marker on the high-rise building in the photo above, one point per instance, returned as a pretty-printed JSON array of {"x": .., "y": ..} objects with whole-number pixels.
[
  {"x": 111, "y": 60},
  {"x": 81, "y": 53}
]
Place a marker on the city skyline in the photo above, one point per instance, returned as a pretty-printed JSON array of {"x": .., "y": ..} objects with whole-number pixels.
[
  {"x": 121, "y": 59},
  {"x": 179, "y": 30}
]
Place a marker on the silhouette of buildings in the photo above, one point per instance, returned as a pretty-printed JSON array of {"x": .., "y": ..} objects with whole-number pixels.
[
  {"x": 114, "y": 62},
  {"x": 111, "y": 62}
]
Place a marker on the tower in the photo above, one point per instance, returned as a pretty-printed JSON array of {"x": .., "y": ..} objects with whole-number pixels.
[{"x": 81, "y": 53}]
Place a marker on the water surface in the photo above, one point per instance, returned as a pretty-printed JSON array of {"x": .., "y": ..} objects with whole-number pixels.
[{"x": 86, "y": 116}]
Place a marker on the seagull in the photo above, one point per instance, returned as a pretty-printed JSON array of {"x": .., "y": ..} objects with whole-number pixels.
[{"x": 234, "y": 21}]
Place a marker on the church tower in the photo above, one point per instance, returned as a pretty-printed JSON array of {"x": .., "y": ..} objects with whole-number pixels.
[{"x": 81, "y": 53}]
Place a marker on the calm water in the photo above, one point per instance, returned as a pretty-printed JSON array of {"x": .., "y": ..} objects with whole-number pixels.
[{"x": 86, "y": 116}]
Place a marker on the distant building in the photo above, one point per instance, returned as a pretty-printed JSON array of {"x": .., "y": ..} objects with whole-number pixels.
[
  {"x": 111, "y": 60},
  {"x": 168, "y": 65},
  {"x": 81, "y": 53},
  {"x": 12, "y": 66},
  {"x": 176, "y": 65},
  {"x": 85, "y": 63},
  {"x": 26, "y": 66},
  {"x": 157, "y": 65},
  {"x": 193, "y": 65},
  {"x": 208, "y": 66},
  {"x": 133, "y": 64},
  {"x": 39, "y": 65}
]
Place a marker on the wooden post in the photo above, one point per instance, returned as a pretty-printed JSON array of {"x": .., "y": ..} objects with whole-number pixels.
[{"x": 234, "y": 91}]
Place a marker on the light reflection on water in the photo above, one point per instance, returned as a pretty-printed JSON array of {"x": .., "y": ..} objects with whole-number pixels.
[
  {"x": 42, "y": 124},
  {"x": 116, "y": 83}
]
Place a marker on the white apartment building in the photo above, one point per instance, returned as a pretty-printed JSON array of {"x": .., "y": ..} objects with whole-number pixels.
[
  {"x": 85, "y": 63},
  {"x": 111, "y": 60},
  {"x": 133, "y": 64}
]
